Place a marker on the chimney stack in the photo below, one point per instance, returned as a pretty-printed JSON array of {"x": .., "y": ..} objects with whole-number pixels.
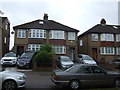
[
  {"x": 103, "y": 21},
  {"x": 45, "y": 16}
]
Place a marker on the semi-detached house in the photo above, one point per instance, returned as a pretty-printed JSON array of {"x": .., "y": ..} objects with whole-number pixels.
[
  {"x": 102, "y": 42},
  {"x": 31, "y": 35}
]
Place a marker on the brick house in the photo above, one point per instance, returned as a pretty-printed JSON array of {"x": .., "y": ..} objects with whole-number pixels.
[
  {"x": 31, "y": 35},
  {"x": 102, "y": 42},
  {"x": 4, "y": 35}
]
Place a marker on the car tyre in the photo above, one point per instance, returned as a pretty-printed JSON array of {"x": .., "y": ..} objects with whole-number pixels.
[
  {"x": 9, "y": 85},
  {"x": 74, "y": 84},
  {"x": 117, "y": 83}
]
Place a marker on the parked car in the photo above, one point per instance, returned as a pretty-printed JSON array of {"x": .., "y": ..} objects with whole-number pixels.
[
  {"x": 85, "y": 59},
  {"x": 115, "y": 62},
  {"x": 25, "y": 60},
  {"x": 11, "y": 80},
  {"x": 85, "y": 75},
  {"x": 9, "y": 59},
  {"x": 64, "y": 62}
]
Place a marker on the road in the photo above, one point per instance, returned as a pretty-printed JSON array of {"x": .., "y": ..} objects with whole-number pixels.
[{"x": 37, "y": 79}]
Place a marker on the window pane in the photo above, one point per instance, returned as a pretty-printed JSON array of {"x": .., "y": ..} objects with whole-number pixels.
[
  {"x": 21, "y": 33},
  {"x": 71, "y": 35},
  {"x": 107, "y": 37},
  {"x": 59, "y": 49},
  {"x": 94, "y": 37}
]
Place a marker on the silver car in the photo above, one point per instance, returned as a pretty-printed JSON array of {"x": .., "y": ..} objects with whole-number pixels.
[
  {"x": 85, "y": 75},
  {"x": 85, "y": 59},
  {"x": 11, "y": 80},
  {"x": 64, "y": 62},
  {"x": 9, "y": 59}
]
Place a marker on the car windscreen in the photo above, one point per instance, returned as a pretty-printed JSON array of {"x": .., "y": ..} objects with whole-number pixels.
[
  {"x": 65, "y": 59},
  {"x": 27, "y": 55},
  {"x": 86, "y": 57},
  {"x": 10, "y": 55}
]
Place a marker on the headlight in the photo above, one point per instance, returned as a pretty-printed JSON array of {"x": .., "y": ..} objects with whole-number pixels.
[
  {"x": 21, "y": 77},
  {"x": 1, "y": 61}
]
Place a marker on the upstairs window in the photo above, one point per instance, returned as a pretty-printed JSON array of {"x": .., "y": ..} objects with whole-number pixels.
[
  {"x": 21, "y": 33},
  {"x": 107, "y": 37},
  {"x": 117, "y": 37},
  {"x": 94, "y": 37},
  {"x": 118, "y": 50},
  {"x": 71, "y": 35},
  {"x": 37, "y": 33},
  {"x": 54, "y": 34},
  {"x": 81, "y": 42}
]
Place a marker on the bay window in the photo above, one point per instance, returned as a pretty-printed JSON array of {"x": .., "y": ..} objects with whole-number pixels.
[
  {"x": 107, "y": 37},
  {"x": 34, "y": 47},
  {"x": 59, "y": 49},
  {"x": 37, "y": 33},
  {"x": 54, "y": 34},
  {"x": 107, "y": 50}
]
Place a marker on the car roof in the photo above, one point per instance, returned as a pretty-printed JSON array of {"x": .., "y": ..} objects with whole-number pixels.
[
  {"x": 86, "y": 65},
  {"x": 63, "y": 56}
]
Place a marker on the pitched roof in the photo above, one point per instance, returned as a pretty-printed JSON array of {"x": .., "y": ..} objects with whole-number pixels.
[
  {"x": 45, "y": 24},
  {"x": 99, "y": 28}
]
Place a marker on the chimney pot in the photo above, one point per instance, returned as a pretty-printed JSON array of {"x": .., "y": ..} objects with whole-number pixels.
[
  {"x": 103, "y": 21},
  {"x": 45, "y": 16}
]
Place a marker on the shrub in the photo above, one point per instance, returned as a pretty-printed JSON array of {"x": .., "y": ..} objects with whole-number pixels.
[{"x": 45, "y": 56}]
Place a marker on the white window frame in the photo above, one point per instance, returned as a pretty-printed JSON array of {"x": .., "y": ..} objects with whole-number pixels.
[
  {"x": 59, "y": 49},
  {"x": 117, "y": 37},
  {"x": 118, "y": 50},
  {"x": 5, "y": 40},
  {"x": 94, "y": 37},
  {"x": 107, "y": 37},
  {"x": 56, "y": 34},
  {"x": 37, "y": 33},
  {"x": 34, "y": 47},
  {"x": 107, "y": 50},
  {"x": 71, "y": 35},
  {"x": 21, "y": 33},
  {"x": 81, "y": 42}
]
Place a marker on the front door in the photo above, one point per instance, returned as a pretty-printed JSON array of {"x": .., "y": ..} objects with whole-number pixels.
[
  {"x": 94, "y": 53},
  {"x": 20, "y": 50},
  {"x": 72, "y": 53}
]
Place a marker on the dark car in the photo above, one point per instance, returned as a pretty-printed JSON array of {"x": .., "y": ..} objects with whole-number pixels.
[
  {"x": 25, "y": 60},
  {"x": 64, "y": 62},
  {"x": 85, "y": 75},
  {"x": 115, "y": 62}
]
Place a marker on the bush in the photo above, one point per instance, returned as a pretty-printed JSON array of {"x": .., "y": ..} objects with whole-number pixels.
[{"x": 45, "y": 56}]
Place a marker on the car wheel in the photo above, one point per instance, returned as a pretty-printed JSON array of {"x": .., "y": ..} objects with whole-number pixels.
[
  {"x": 117, "y": 83},
  {"x": 74, "y": 84},
  {"x": 9, "y": 85}
]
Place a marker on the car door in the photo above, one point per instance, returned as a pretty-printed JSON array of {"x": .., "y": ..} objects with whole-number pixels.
[
  {"x": 85, "y": 77},
  {"x": 99, "y": 76}
]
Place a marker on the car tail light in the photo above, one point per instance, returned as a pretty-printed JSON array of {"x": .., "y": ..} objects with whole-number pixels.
[{"x": 56, "y": 77}]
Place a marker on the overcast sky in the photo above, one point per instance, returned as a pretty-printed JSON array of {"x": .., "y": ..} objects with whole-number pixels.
[{"x": 78, "y": 14}]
